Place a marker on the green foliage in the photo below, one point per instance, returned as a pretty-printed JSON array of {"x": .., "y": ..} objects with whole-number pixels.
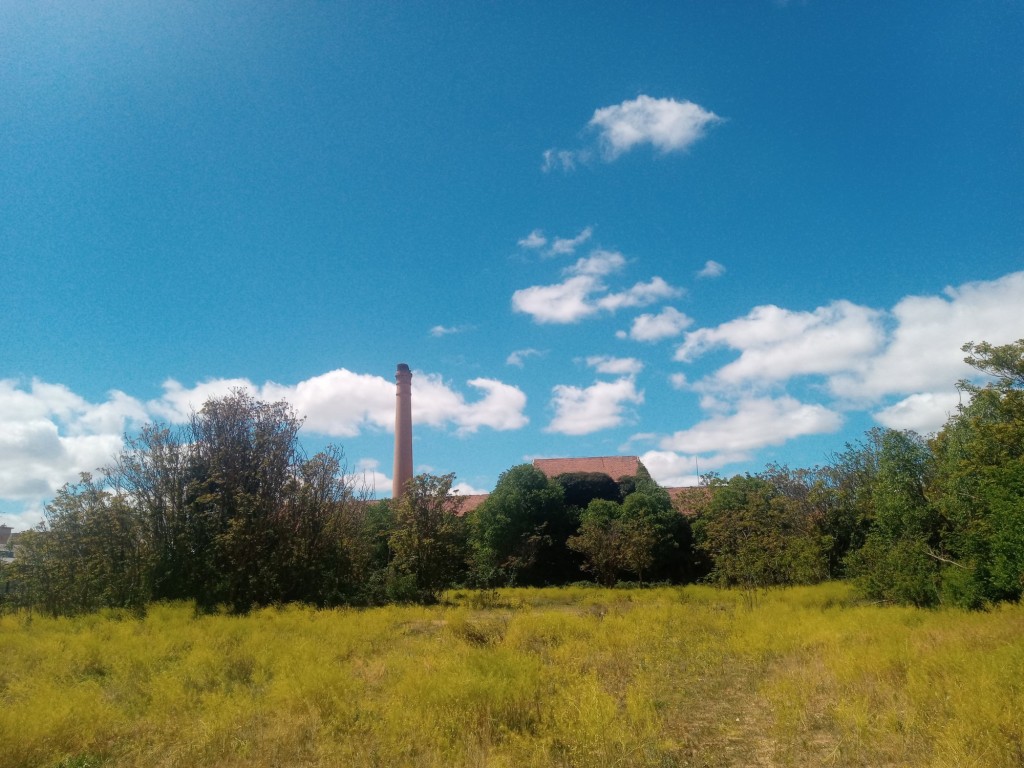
[
  {"x": 91, "y": 552},
  {"x": 427, "y": 541},
  {"x": 1004, "y": 362},
  {"x": 979, "y": 480},
  {"x": 225, "y": 512},
  {"x": 638, "y": 537},
  {"x": 843, "y": 492},
  {"x": 896, "y": 570},
  {"x": 897, "y": 562},
  {"x": 756, "y": 537},
  {"x": 518, "y": 534},
  {"x": 580, "y": 488},
  {"x": 598, "y": 540}
]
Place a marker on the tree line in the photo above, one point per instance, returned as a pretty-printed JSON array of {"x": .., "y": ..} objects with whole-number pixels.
[{"x": 228, "y": 511}]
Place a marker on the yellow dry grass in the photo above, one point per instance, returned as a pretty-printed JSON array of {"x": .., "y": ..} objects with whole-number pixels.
[{"x": 555, "y": 677}]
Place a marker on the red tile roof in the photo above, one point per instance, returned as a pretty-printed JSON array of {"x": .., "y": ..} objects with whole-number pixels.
[
  {"x": 613, "y": 466},
  {"x": 688, "y": 501},
  {"x": 471, "y": 501}
]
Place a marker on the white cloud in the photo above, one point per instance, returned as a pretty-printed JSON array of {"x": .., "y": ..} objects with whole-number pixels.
[
  {"x": 664, "y": 325},
  {"x": 445, "y": 330},
  {"x": 518, "y": 357},
  {"x": 566, "y": 302},
  {"x": 339, "y": 403},
  {"x": 640, "y": 295},
  {"x": 598, "y": 264},
  {"x": 367, "y": 472},
  {"x": 533, "y": 240},
  {"x": 564, "y": 159},
  {"x": 923, "y": 349},
  {"x": 925, "y": 412},
  {"x": 437, "y": 404},
  {"x": 616, "y": 366},
  {"x": 465, "y": 489},
  {"x": 599, "y": 406},
  {"x": 342, "y": 403},
  {"x": 755, "y": 422},
  {"x": 776, "y": 344},
  {"x": 868, "y": 358},
  {"x": 666, "y": 124},
  {"x": 566, "y": 245},
  {"x": 49, "y": 434},
  {"x": 583, "y": 293},
  {"x": 711, "y": 269},
  {"x": 678, "y": 380},
  {"x": 675, "y": 470},
  {"x": 177, "y": 403}
]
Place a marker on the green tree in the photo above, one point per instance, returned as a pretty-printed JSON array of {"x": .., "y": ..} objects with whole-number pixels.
[
  {"x": 326, "y": 549},
  {"x": 428, "y": 541},
  {"x": 653, "y": 533},
  {"x": 580, "y": 488},
  {"x": 978, "y": 486},
  {"x": 91, "y": 552},
  {"x": 898, "y": 561},
  {"x": 518, "y": 534},
  {"x": 843, "y": 491},
  {"x": 226, "y": 511},
  {"x": 598, "y": 540},
  {"x": 638, "y": 537},
  {"x": 756, "y": 537}
]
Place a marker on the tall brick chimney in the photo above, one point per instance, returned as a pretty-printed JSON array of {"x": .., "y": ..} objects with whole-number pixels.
[{"x": 403, "y": 431}]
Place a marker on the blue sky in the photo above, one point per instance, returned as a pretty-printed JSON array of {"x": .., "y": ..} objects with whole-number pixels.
[{"x": 709, "y": 234}]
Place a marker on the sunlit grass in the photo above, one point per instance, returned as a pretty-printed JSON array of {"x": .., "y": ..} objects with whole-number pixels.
[{"x": 564, "y": 677}]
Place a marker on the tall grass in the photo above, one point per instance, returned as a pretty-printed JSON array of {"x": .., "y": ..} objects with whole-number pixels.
[{"x": 561, "y": 677}]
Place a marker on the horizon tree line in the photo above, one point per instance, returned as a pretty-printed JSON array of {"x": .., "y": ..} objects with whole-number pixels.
[{"x": 228, "y": 511}]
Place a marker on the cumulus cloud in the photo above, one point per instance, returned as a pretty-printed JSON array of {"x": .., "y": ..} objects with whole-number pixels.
[
  {"x": 465, "y": 489},
  {"x": 518, "y": 357},
  {"x": 368, "y": 473},
  {"x": 664, "y": 325},
  {"x": 584, "y": 293},
  {"x": 565, "y": 302},
  {"x": 533, "y": 240},
  {"x": 776, "y": 344},
  {"x": 640, "y": 295},
  {"x": 597, "y": 264},
  {"x": 755, "y": 422},
  {"x": 603, "y": 405},
  {"x": 924, "y": 412},
  {"x": 711, "y": 269},
  {"x": 567, "y": 245},
  {"x": 339, "y": 403},
  {"x": 437, "y": 404},
  {"x": 49, "y": 434},
  {"x": 675, "y": 470},
  {"x": 665, "y": 124},
  {"x": 865, "y": 357},
  {"x": 342, "y": 403},
  {"x": 616, "y": 366},
  {"x": 923, "y": 348}
]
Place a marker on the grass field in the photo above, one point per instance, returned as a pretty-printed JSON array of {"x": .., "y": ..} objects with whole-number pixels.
[{"x": 562, "y": 677}]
